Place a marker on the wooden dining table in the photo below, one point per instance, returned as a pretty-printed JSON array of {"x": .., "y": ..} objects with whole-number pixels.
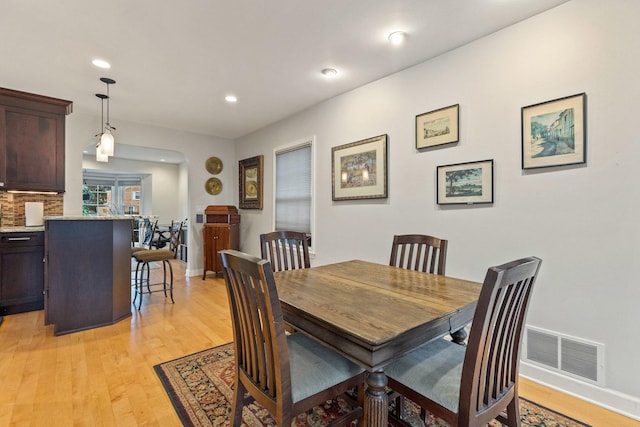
[{"x": 373, "y": 313}]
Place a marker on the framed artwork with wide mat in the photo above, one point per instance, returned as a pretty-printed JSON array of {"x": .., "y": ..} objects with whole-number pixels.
[
  {"x": 554, "y": 132},
  {"x": 465, "y": 183},
  {"x": 438, "y": 127},
  {"x": 359, "y": 169}
]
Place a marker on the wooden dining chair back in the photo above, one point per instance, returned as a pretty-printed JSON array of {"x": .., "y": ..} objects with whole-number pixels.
[
  {"x": 419, "y": 252},
  {"x": 286, "y": 374},
  {"x": 285, "y": 250},
  {"x": 472, "y": 385}
]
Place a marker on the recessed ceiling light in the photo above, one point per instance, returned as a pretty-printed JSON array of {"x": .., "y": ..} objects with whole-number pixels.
[
  {"x": 101, "y": 63},
  {"x": 231, "y": 98},
  {"x": 397, "y": 37},
  {"x": 329, "y": 72}
]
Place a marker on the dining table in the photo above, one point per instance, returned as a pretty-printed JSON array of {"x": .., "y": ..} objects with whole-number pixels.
[{"x": 373, "y": 314}]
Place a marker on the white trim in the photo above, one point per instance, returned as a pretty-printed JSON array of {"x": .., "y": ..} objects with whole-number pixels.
[{"x": 621, "y": 403}]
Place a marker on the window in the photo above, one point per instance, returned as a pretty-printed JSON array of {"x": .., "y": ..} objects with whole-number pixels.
[
  {"x": 111, "y": 194},
  {"x": 293, "y": 188},
  {"x": 95, "y": 199}
]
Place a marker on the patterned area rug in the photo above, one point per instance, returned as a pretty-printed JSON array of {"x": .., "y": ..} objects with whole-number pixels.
[{"x": 200, "y": 387}]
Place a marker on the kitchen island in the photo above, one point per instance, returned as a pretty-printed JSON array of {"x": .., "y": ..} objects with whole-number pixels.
[{"x": 87, "y": 272}]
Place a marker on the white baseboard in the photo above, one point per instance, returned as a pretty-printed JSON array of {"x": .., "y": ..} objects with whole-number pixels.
[
  {"x": 621, "y": 403},
  {"x": 193, "y": 272}
]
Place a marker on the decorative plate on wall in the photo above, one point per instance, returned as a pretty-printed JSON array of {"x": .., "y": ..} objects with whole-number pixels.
[
  {"x": 213, "y": 186},
  {"x": 214, "y": 165}
]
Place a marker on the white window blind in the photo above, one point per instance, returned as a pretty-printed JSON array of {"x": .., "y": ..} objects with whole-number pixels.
[{"x": 293, "y": 189}]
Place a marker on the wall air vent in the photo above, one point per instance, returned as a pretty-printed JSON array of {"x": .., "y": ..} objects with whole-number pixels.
[{"x": 572, "y": 356}]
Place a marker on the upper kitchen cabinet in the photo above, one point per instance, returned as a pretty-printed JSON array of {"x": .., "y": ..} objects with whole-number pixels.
[{"x": 32, "y": 132}]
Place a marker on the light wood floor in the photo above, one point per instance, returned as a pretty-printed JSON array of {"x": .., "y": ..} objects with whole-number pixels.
[{"x": 105, "y": 376}]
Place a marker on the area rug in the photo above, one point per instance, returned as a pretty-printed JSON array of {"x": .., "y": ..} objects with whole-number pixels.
[{"x": 200, "y": 387}]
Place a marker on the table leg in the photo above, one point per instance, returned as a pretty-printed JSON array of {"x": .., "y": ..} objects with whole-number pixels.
[
  {"x": 376, "y": 402},
  {"x": 459, "y": 336}
]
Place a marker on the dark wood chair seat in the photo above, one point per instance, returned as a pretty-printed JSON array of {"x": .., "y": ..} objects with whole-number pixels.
[{"x": 472, "y": 385}]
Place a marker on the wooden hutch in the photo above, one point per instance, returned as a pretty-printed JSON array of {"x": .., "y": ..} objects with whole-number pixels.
[{"x": 221, "y": 231}]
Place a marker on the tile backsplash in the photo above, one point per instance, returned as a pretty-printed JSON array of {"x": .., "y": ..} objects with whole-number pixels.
[{"x": 12, "y": 206}]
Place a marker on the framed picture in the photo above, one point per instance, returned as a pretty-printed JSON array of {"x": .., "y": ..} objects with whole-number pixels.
[
  {"x": 251, "y": 182},
  {"x": 437, "y": 127},
  {"x": 360, "y": 169},
  {"x": 465, "y": 183},
  {"x": 554, "y": 132}
]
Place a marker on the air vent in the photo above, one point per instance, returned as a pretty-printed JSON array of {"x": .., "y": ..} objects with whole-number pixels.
[{"x": 569, "y": 355}]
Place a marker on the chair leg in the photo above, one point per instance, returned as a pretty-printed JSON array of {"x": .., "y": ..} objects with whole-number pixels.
[
  {"x": 138, "y": 279},
  {"x": 238, "y": 404},
  {"x": 146, "y": 266},
  {"x": 513, "y": 412},
  {"x": 135, "y": 285},
  {"x": 164, "y": 277},
  {"x": 171, "y": 281}
]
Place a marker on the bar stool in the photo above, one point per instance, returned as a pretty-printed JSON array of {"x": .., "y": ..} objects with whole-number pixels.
[{"x": 144, "y": 258}]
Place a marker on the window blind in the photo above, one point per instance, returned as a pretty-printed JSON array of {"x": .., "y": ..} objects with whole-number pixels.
[{"x": 293, "y": 189}]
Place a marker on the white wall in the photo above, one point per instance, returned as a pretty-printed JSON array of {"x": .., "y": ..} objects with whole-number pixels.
[
  {"x": 580, "y": 220},
  {"x": 80, "y": 131}
]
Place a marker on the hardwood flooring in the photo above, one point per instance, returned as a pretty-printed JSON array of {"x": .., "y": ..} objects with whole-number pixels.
[{"x": 105, "y": 376}]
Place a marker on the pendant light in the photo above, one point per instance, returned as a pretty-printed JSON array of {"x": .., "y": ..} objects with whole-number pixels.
[
  {"x": 106, "y": 140},
  {"x": 101, "y": 156}
]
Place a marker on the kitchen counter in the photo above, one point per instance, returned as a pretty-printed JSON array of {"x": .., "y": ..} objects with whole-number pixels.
[
  {"x": 21, "y": 229},
  {"x": 86, "y": 218}
]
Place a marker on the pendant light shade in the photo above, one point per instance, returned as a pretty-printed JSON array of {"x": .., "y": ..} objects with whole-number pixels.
[
  {"x": 107, "y": 143},
  {"x": 100, "y": 155}
]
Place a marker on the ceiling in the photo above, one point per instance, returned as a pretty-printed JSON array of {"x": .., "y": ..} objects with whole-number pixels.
[{"x": 174, "y": 61}]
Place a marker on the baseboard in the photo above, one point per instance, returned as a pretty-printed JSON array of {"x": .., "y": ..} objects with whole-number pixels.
[
  {"x": 190, "y": 272},
  {"x": 614, "y": 401}
]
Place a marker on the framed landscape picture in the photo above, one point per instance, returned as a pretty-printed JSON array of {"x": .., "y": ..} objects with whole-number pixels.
[
  {"x": 250, "y": 182},
  {"x": 465, "y": 183},
  {"x": 437, "y": 127},
  {"x": 359, "y": 169},
  {"x": 554, "y": 132}
]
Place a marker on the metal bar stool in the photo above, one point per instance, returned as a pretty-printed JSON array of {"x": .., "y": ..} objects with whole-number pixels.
[{"x": 144, "y": 258}]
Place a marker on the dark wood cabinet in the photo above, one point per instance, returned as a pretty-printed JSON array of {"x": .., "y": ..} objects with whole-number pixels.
[
  {"x": 32, "y": 141},
  {"x": 221, "y": 231},
  {"x": 87, "y": 273},
  {"x": 21, "y": 272}
]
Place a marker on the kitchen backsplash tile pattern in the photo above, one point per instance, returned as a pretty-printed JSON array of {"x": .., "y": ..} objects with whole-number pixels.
[{"x": 12, "y": 206}]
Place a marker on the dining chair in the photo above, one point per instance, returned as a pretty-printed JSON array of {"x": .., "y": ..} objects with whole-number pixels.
[
  {"x": 286, "y": 374},
  {"x": 285, "y": 250},
  {"x": 419, "y": 252},
  {"x": 472, "y": 385}
]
